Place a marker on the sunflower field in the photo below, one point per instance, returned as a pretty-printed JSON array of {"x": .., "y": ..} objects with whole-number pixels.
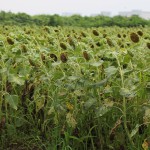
[{"x": 74, "y": 88}]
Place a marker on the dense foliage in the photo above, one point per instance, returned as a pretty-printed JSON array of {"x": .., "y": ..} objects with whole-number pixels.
[
  {"x": 64, "y": 88},
  {"x": 8, "y": 18}
]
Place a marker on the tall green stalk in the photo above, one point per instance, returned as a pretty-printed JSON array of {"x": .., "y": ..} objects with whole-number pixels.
[{"x": 124, "y": 103}]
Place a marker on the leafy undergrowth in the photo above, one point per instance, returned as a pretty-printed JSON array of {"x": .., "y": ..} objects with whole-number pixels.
[{"x": 74, "y": 88}]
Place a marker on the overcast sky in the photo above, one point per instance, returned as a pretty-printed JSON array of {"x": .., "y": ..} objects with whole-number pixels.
[{"x": 83, "y": 7}]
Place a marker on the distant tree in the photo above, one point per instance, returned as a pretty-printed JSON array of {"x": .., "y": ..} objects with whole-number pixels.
[
  {"x": 9, "y": 18},
  {"x": 135, "y": 20},
  {"x": 2, "y": 15},
  {"x": 22, "y": 18},
  {"x": 54, "y": 20}
]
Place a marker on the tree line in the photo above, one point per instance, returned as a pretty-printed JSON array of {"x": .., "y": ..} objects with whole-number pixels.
[{"x": 9, "y": 18}]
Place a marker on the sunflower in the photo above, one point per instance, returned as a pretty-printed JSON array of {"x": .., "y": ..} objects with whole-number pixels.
[{"x": 134, "y": 37}]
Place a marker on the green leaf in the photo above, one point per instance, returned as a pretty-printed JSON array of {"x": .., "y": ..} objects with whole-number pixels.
[
  {"x": 97, "y": 64},
  {"x": 101, "y": 111},
  {"x": 19, "y": 122},
  {"x": 25, "y": 72},
  {"x": 12, "y": 100},
  {"x": 124, "y": 92},
  {"x": 108, "y": 89},
  {"x": 89, "y": 103},
  {"x": 135, "y": 130},
  {"x": 127, "y": 58},
  {"x": 148, "y": 86},
  {"x": 73, "y": 78},
  {"x": 71, "y": 120},
  {"x": 146, "y": 116},
  {"x": 110, "y": 70},
  {"x": 101, "y": 83},
  {"x": 56, "y": 64},
  {"x": 16, "y": 79},
  {"x": 11, "y": 130},
  {"x": 40, "y": 103},
  {"x": 3, "y": 70},
  {"x": 127, "y": 92},
  {"x": 51, "y": 110},
  {"x": 14, "y": 50},
  {"x": 127, "y": 71}
]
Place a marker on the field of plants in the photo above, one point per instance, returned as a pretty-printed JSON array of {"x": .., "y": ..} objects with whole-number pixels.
[{"x": 65, "y": 88}]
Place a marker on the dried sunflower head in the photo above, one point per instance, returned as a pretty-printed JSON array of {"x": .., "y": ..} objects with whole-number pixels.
[
  {"x": 104, "y": 35},
  {"x": 24, "y": 48},
  {"x": 148, "y": 45},
  {"x": 95, "y": 32},
  {"x": 42, "y": 57},
  {"x": 10, "y": 41},
  {"x": 119, "y": 35},
  {"x": 54, "y": 57},
  {"x": 83, "y": 34},
  {"x": 109, "y": 42},
  {"x": 124, "y": 35},
  {"x": 134, "y": 37},
  {"x": 63, "y": 46},
  {"x": 71, "y": 42},
  {"x": 98, "y": 44},
  {"x": 140, "y": 33},
  {"x": 86, "y": 55},
  {"x": 63, "y": 57}
]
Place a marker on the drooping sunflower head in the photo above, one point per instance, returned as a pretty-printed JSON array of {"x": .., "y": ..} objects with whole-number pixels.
[{"x": 134, "y": 37}]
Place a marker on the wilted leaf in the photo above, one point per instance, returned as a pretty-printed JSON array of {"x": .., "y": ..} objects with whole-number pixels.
[
  {"x": 108, "y": 103},
  {"x": 70, "y": 120},
  {"x": 69, "y": 106},
  {"x": 108, "y": 89},
  {"x": 145, "y": 145}
]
